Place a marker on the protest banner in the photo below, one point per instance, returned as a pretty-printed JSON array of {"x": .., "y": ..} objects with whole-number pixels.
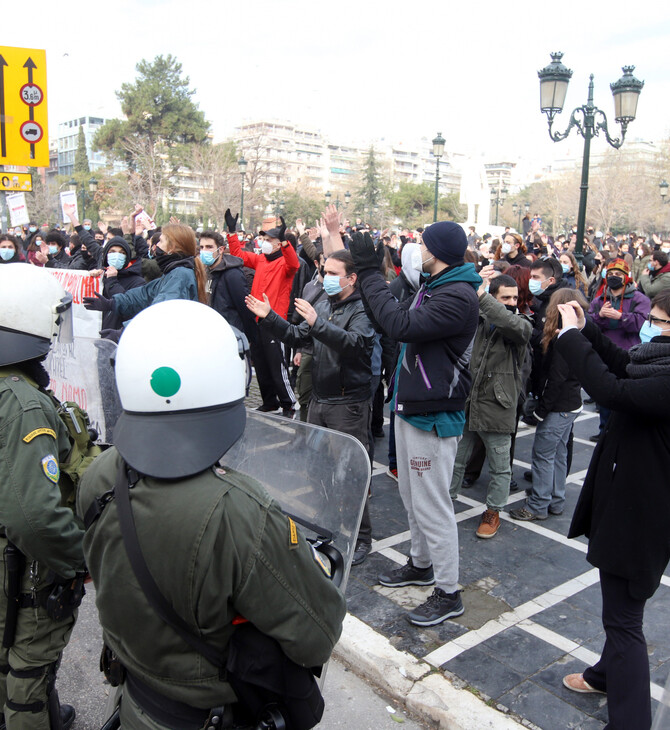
[
  {"x": 18, "y": 210},
  {"x": 80, "y": 285}
]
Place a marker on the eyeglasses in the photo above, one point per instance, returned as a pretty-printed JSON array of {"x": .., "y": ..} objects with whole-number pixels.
[{"x": 651, "y": 319}]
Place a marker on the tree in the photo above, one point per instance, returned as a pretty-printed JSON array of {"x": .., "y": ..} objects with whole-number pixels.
[
  {"x": 412, "y": 203},
  {"x": 451, "y": 208},
  {"x": 81, "y": 156},
  {"x": 160, "y": 117},
  {"x": 370, "y": 194},
  {"x": 41, "y": 202}
]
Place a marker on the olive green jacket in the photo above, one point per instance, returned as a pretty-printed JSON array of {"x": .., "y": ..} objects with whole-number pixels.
[
  {"x": 217, "y": 546},
  {"x": 653, "y": 286},
  {"x": 498, "y": 354},
  {"x": 33, "y": 440}
]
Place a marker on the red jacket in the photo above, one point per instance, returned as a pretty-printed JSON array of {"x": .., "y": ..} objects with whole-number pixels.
[{"x": 274, "y": 276}]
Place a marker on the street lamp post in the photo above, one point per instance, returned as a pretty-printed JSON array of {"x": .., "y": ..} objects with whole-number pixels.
[
  {"x": 498, "y": 196},
  {"x": 663, "y": 189},
  {"x": 242, "y": 167},
  {"x": 554, "y": 79},
  {"x": 438, "y": 151},
  {"x": 92, "y": 187},
  {"x": 516, "y": 208}
]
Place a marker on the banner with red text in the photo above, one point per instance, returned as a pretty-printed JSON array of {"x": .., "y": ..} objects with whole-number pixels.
[{"x": 80, "y": 285}]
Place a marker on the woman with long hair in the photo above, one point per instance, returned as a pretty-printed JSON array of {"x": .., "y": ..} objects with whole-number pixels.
[
  {"x": 571, "y": 272},
  {"x": 184, "y": 277},
  {"x": 559, "y": 404},
  {"x": 10, "y": 250}
]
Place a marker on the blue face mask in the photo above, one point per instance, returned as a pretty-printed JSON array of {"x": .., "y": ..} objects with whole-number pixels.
[
  {"x": 535, "y": 286},
  {"x": 650, "y": 266},
  {"x": 32, "y": 229},
  {"x": 87, "y": 228},
  {"x": 53, "y": 250},
  {"x": 566, "y": 268},
  {"x": 6, "y": 253},
  {"x": 117, "y": 260},
  {"x": 604, "y": 273},
  {"x": 207, "y": 257},
  {"x": 649, "y": 331},
  {"x": 331, "y": 285}
]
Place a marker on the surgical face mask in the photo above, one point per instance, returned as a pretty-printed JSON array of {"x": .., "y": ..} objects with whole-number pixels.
[
  {"x": 87, "y": 228},
  {"x": 566, "y": 268},
  {"x": 117, "y": 260},
  {"x": 32, "y": 229},
  {"x": 331, "y": 285},
  {"x": 650, "y": 266},
  {"x": 640, "y": 253},
  {"x": 604, "y": 273},
  {"x": 648, "y": 331},
  {"x": 535, "y": 286},
  {"x": 6, "y": 253},
  {"x": 614, "y": 282},
  {"x": 506, "y": 248},
  {"x": 266, "y": 248},
  {"x": 53, "y": 250},
  {"x": 418, "y": 262},
  {"x": 207, "y": 257}
]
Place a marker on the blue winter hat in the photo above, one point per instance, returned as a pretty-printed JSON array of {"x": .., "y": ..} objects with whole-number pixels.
[{"x": 447, "y": 241}]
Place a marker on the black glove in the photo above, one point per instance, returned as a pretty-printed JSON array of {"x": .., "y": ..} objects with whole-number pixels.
[
  {"x": 282, "y": 230},
  {"x": 364, "y": 253},
  {"x": 98, "y": 303},
  {"x": 112, "y": 335},
  {"x": 231, "y": 221}
]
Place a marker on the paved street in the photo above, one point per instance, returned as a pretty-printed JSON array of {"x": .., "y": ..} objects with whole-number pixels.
[{"x": 532, "y": 602}]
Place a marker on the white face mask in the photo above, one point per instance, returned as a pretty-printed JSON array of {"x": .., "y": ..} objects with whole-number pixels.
[
  {"x": 266, "y": 248},
  {"x": 506, "y": 248},
  {"x": 417, "y": 260}
]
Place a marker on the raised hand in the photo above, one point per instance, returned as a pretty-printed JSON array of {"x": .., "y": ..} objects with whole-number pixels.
[
  {"x": 98, "y": 303},
  {"x": 231, "y": 220},
  {"x": 260, "y": 309}
]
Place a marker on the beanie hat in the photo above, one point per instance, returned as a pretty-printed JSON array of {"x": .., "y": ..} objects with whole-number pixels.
[
  {"x": 620, "y": 265},
  {"x": 447, "y": 241}
]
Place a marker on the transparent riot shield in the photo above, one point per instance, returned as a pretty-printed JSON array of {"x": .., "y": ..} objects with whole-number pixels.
[
  {"x": 82, "y": 371},
  {"x": 318, "y": 476},
  {"x": 662, "y": 716}
]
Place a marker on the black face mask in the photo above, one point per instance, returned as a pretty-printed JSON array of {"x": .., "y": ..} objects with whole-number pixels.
[
  {"x": 510, "y": 308},
  {"x": 614, "y": 282}
]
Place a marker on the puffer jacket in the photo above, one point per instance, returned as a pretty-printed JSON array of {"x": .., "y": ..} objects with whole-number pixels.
[
  {"x": 343, "y": 338},
  {"x": 498, "y": 353},
  {"x": 127, "y": 278},
  {"x": 227, "y": 286}
]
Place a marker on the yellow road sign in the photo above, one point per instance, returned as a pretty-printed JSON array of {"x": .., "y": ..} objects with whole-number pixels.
[
  {"x": 21, "y": 182},
  {"x": 24, "y": 134}
]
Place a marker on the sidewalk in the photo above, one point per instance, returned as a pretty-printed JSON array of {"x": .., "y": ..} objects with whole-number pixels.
[{"x": 532, "y": 606}]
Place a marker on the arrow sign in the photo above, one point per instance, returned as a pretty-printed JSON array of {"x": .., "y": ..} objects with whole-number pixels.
[
  {"x": 30, "y": 65},
  {"x": 3, "y": 138}
]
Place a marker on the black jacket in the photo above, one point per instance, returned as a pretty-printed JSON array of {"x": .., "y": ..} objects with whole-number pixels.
[
  {"x": 343, "y": 338},
  {"x": 560, "y": 390},
  {"x": 437, "y": 328},
  {"x": 625, "y": 501},
  {"x": 129, "y": 277},
  {"x": 227, "y": 289}
]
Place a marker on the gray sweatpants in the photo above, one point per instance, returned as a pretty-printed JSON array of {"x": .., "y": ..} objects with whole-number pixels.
[{"x": 425, "y": 466}]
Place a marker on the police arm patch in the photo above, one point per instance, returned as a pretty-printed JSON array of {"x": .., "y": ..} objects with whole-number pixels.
[
  {"x": 292, "y": 534},
  {"x": 50, "y": 468},
  {"x": 322, "y": 561},
  {"x": 39, "y": 432}
]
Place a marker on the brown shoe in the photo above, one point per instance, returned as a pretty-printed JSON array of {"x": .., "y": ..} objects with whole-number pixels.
[
  {"x": 489, "y": 524},
  {"x": 577, "y": 683}
]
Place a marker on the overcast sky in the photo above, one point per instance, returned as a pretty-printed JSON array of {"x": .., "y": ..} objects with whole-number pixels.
[{"x": 359, "y": 70}]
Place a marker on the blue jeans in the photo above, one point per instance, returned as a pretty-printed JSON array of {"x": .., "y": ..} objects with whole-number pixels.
[{"x": 550, "y": 463}]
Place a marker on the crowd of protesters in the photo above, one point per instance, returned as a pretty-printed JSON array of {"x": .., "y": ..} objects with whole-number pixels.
[{"x": 458, "y": 332}]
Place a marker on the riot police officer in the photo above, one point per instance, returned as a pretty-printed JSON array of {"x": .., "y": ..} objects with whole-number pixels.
[
  {"x": 217, "y": 547},
  {"x": 39, "y": 537}
]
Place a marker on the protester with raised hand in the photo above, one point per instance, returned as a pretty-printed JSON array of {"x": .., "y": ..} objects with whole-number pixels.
[{"x": 624, "y": 516}]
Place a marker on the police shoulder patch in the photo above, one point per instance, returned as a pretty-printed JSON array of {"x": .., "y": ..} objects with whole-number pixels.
[
  {"x": 50, "y": 468},
  {"x": 39, "y": 432}
]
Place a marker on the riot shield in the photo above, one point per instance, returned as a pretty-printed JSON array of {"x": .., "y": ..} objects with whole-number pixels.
[
  {"x": 82, "y": 371},
  {"x": 318, "y": 476},
  {"x": 662, "y": 716}
]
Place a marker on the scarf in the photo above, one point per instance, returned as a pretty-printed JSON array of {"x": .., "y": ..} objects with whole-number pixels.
[{"x": 649, "y": 359}]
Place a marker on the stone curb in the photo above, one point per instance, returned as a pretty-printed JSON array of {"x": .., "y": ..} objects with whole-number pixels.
[{"x": 414, "y": 683}]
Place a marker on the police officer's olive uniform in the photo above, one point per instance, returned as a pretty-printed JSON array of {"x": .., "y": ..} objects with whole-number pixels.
[
  {"x": 217, "y": 546},
  {"x": 33, "y": 440}
]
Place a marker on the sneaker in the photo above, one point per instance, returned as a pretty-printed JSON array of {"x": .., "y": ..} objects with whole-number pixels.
[
  {"x": 468, "y": 482},
  {"x": 525, "y": 514},
  {"x": 489, "y": 524},
  {"x": 577, "y": 683},
  {"x": 392, "y": 472},
  {"x": 513, "y": 486},
  {"x": 438, "y": 608},
  {"x": 361, "y": 553},
  {"x": 408, "y": 575}
]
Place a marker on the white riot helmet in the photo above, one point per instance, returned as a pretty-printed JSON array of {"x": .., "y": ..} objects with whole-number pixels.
[
  {"x": 35, "y": 311},
  {"x": 181, "y": 379}
]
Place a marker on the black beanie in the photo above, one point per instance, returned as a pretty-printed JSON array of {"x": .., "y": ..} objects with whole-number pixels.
[{"x": 447, "y": 241}]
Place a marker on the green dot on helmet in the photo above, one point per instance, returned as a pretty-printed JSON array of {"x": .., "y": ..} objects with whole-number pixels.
[{"x": 165, "y": 382}]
